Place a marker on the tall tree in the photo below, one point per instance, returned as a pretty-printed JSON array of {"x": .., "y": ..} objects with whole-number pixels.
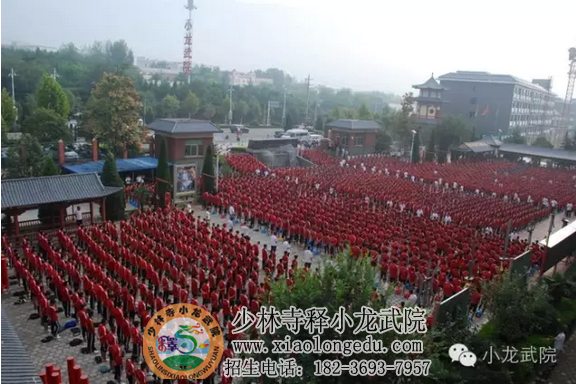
[
  {"x": 209, "y": 111},
  {"x": 170, "y": 105},
  {"x": 364, "y": 113},
  {"x": 149, "y": 116},
  {"x": 50, "y": 95},
  {"x": 450, "y": 131},
  {"x": 254, "y": 112},
  {"x": 242, "y": 110},
  {"x": 208, "y": 178},
  {"x": 568, "y": 144},
  {"x": 416, "y": 148},
  {"x": 163, "y": 172},
  {"x": 383, "y": 141},
  {"x": 189, "y": 107},
  {"x": 473, "y": 135},
  {"x": 431, "y": 148},
  {"x": 5, "y": 130},
  {"x": 401, "y": 124},
  {"x": 119, "y": 55},
  {"x": 288, "y": 123},
  {"x": 26, "y": 157},
  {"x": 319, "y": 126},
  {"x": 542, "y": 142},
  {"x": 47, "y": 126},
  {"x": 113, "y": 112},
  {"x": 515, "y": 138},
  {"x": 116, "y": 203},
  {"x": 9, "y": 112}
]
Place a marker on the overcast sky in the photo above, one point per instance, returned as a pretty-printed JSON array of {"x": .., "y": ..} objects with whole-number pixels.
[{"x": 385, "y": 45}]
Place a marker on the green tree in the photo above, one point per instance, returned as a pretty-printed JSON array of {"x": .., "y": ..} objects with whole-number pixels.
[
  {"x": 515, "y": 138},
  {"x": 189, "y": 107},
  {"x": 208, "y": 178},
  {"x": 364, "y": 113},
  {"x": 383, "y": 141},
  {"x": 209, "y": 111},
  {"x": 5, "y": 130},
  {"x": 450, "y": 131},
  {"x": 47, "y": 126},
  {"x": 542, "y": 142},
  {"x": 401, "y": 123},
  {"x": 149, "y": 116},
  {"x": 345, "y": 283},
  {"x": 48, "y": 214},
  {"x": 473, "y": 135},
  {"x": 242, "y": 110},
  {"x": 288, "y": 124},
  {"x": 514, "y": 320},
  {"x": 50, "y": 95},
  {"x": 9, "y": 112},
  {"x": 115, "y": 203},
  {"x": 163, "y": 172},
  {"x": 568, "y": 144},
  {"x": 319, "y": 126},
  {"x": 25, "y": 158},
  {"x": 431, "y": 148},
  {"x": 170, "y": 105},
  {"x": 113, "y": 112},
  {"x": 416, "y": 148},
  {"x": 336, "y": 113},
  {"x": 254, "y": 111}
]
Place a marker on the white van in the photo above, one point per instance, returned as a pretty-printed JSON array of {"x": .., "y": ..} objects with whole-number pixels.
[{"x": 295, "y": 133}]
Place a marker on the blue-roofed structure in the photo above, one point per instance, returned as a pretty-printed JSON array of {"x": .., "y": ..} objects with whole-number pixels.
[{"x": 136, "y": 164}]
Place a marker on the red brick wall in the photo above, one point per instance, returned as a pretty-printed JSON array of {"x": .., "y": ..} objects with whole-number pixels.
[{"x": 176, "y": 146}]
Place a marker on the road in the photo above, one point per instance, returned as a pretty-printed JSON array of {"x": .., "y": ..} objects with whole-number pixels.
[{"x": 255, "y": 133}]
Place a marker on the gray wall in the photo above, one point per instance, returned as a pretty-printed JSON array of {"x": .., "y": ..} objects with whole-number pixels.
[{"x": 463, "y": 98}]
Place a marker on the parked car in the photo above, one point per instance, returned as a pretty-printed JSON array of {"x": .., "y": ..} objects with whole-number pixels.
[{"x": 278, "y": 134}]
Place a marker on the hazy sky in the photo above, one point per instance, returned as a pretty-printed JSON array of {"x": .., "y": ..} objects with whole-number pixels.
[{"x": 363, "y": 44}]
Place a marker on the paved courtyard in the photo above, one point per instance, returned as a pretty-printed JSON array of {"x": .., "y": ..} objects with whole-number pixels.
[{"x": 56, "y": 351}]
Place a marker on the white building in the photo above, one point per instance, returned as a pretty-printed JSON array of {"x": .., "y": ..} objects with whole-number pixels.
[{"x": 242, "y": 79}]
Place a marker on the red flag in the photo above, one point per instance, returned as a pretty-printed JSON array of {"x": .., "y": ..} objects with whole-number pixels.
[{"x": 485, "y": 111}]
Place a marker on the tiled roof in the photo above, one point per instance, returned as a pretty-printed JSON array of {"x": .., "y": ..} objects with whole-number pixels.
[
  {"x": 183, "y": 126},
  {"x": 546, "y": 153},
  {"x": 479, "y": 146},
  {"x": 432, "y": 83},
  {"x": 17, "y": 368},
  {"x": 35, "y": 191},
  {"x": 487, "y": 77},
  {"x": 359, "y": 125}
]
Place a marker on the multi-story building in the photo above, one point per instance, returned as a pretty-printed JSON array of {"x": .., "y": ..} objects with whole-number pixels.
[
  {"x": 242, "y": 79},
  {"x": 498, "y": 103}
]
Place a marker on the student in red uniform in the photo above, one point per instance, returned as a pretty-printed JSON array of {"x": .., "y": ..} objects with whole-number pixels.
[
  {"x": 130, "y": 371},
  {"x": 103, "y": 336},
  {"x": 136, "y": 340},
  {"x": 91, "y": 332},
  {"x": 53, "y": 317},
  {"x": 117, "y": 361},
  {"x": 65, "y": 298}
]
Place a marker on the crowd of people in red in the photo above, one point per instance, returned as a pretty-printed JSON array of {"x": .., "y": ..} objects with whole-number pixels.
[
  {"x": 243, "y": 162},
  {"x": 502, "y": 177},
  {"x": 127, "y": 273}
]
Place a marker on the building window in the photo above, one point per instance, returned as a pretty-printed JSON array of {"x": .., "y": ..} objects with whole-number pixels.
[
  {"x": 193, "y": 148},
  {"x": 344, "y": 140},
  {"x": 359, "y": 140}
]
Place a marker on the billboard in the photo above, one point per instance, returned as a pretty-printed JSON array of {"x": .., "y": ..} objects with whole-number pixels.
[{"x": 185, "y": 178}]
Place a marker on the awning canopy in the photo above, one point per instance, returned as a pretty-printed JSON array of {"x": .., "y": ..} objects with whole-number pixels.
[
  {"x": 36, "y": 191},
  {"x": 123, "y": 165}
]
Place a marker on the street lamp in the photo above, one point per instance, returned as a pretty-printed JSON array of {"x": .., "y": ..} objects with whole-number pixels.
[{"x": 412, "y": 146}]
